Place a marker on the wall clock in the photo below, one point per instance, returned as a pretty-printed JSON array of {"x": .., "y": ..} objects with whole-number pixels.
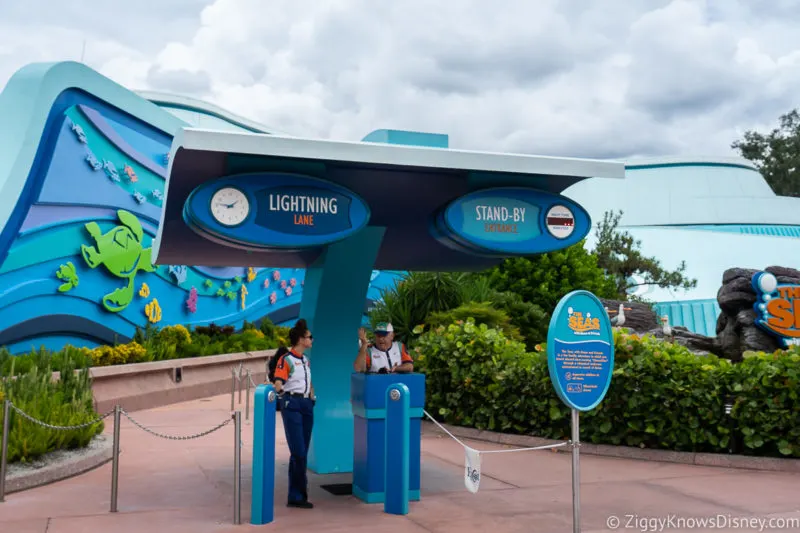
[{"x": 230, "y": 206}]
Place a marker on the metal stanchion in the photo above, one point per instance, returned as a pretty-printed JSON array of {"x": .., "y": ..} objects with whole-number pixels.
[
  {"x": 115, "y": 460},
  {"x": 233, "y": 386},
  {"x": 576, "y": 472},
  {"x": 396, "y": 460},
  {"x": 241, "y": 369},
  {"x": 237, "y": 467},
  {"x": 247, "y": 397},
  {"x": 4, "y": 452},
  {"x": 262, "y": 497}
]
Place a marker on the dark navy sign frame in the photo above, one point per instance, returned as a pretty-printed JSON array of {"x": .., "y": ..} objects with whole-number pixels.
[
  {"x": 580, "y": 350},
  {"x": 513, "y": 234},
  {"x": 266, "y": 229}
]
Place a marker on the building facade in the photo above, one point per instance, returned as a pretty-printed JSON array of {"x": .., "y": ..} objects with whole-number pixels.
[
  {"x": 714, "y": 214},
  {"x": 83, "y": 165}
]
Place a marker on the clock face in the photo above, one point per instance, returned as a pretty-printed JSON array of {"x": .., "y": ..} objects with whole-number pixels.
[{"x": 230, "y": 206}]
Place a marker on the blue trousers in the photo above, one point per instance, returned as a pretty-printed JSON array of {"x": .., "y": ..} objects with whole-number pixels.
[{"x": 298, "y": 419}]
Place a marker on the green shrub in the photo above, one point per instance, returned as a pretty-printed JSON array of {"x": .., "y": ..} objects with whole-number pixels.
[
  {"x": 215, "y": 331},
  {"x": 121, "y": 354},
  {"x": 435, "y": 298},
  {"x": 529, "y": 318},
  {"x": 412, "y": 299},
  {"x": 766, "y": 392},
  {"x": 25, "y": 362},
  {"x": 464, "y": 365},
  {"x": 65, "y": 402},
  {"x": 545, "y": 278},
  {"x": 480, "y": 313},
  {"x": 661, "y": 395}
]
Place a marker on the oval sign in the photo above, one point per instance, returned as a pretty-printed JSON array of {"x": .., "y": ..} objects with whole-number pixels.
[
  {"x": 275, "y": 211},
  {"x": 513, "y": 221},
  {"x": 580, "y": 350},
  {"x": 777, "y": 308}
]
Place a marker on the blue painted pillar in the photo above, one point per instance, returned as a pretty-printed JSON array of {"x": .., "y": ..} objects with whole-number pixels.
[
  {"x": 262, "y": 498},
  {"x": 333, "y": 303},
  {"x": 398, "y": 432}
]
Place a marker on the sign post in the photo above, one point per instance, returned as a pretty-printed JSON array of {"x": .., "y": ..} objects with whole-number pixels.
[{"x": 580, "y": 358}]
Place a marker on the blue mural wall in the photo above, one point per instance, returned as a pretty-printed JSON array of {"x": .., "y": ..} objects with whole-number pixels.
[{"x": 76, "y": 250}]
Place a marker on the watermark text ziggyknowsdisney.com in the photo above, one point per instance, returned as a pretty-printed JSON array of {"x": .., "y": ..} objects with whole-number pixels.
[{"x": 637, "y": 522}]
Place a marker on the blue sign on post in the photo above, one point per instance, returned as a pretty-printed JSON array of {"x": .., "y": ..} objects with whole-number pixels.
[{"x": 580, "y": 350}]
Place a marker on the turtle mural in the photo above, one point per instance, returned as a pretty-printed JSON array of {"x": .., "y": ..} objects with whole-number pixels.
[{"x": 120, "y": 250}]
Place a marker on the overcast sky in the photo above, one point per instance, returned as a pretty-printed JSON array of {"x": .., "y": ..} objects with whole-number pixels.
[{"x": 583, "y": 78}]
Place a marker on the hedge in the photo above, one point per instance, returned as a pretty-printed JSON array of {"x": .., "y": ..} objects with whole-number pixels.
[{"x": 661, "y": 395}]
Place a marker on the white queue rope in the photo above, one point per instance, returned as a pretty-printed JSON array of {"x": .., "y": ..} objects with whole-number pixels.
[{"x": 545, "y": 447}]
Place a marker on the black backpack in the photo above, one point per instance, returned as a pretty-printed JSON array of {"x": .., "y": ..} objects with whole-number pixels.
[{"x": 273, "y": 362}]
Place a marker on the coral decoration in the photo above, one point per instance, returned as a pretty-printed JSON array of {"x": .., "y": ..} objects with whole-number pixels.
[
  {"x": 288, "y": 291},
  {"x": 191, "y": 302},
  {"x": 251, "y": 274},
  {"x": 273, "y": 297},
  {"x": 179, "y": 271},
  {"x": 293, "y": 282},
  {"x": 276, "y": 275},
  {"x": 68, "y": 275},
  {"x": 153, "y": 311},
  {"x": 144, "y": 292},
  {"x": 283, "y": 284},
  {"x": 266, "y": 282},
  {"x": 244, "y": 295},
  {"x": 128, "y": 170}
]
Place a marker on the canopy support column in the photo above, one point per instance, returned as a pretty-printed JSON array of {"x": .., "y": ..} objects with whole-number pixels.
[{"x": 333, "y": 303}]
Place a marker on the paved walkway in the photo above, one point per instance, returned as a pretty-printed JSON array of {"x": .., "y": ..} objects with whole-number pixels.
[{"x": 187, "y": 486}]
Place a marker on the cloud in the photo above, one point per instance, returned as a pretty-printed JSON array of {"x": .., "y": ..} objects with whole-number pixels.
[
  {"x": 616, "y": 79},
  {"x": 178, "y": 80}
]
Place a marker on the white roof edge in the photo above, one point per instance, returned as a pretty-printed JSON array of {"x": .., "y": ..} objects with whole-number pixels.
[
  {"x": 393, "y": 154},
  {"x": 158, "y": 97},
  {"x": 687, "y": 160}
]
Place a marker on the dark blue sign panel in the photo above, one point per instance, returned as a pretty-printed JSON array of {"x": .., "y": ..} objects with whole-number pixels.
[
  {"x": 580, "y": 350},
  {"x": 303, "y": 210},
  {"x": 275, "y": 210},
  {"x": 512, "y": 221}
]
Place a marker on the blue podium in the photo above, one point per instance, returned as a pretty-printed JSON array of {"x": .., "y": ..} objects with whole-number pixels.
[{"x": 368, "y": 398}]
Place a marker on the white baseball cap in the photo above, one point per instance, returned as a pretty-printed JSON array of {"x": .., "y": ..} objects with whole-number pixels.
[{"x": 384, "y": 327}]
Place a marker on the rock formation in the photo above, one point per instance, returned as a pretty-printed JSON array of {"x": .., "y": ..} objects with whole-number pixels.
[
  {"x": 638, "y": 317},
  {"x": 736, "y": 329},
  {"x": 641, "y": 318}
]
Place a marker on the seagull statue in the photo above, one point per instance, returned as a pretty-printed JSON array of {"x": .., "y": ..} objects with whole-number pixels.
[
  {"x": 665, "y": 327},
  {"x": 619, "y": 320}
]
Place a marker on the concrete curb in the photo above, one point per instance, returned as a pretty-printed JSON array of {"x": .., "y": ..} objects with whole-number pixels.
[
  {"x": 745, "y": 462},
  {"x": 59, "y": 465}
]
